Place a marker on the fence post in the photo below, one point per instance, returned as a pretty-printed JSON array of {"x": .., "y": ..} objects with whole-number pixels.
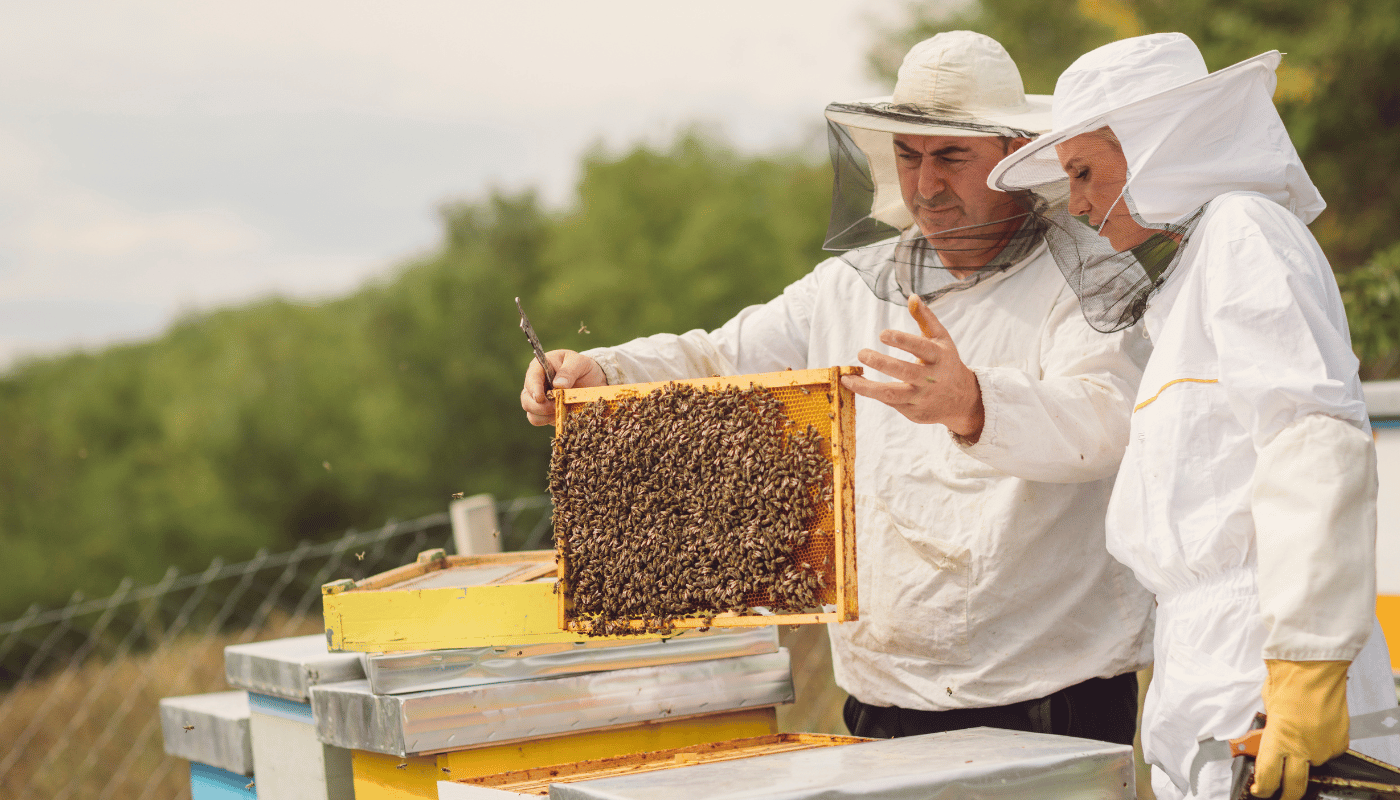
[{"x": 474, "y": 526}]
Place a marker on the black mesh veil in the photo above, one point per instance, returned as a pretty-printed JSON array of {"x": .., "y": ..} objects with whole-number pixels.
[
  {"x": 1113, "y": 286},
  {"x": 875, "y": 234},
  {"x": 909, "y": 264},
  {"x": 1111, "y": 257},
  {"x": 852, "y": 195}
]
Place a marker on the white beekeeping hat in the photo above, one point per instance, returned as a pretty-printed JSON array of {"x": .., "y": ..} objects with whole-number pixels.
[
  {"x": 1182, "y": 136},
  {"x": 1189, "y": 135},
  {"x": 957, "y": 83}
]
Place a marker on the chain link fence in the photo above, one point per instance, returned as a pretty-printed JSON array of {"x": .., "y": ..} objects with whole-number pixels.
[
  {"x": 79, "y": 715},
  {"x": 80, "y": 686}
]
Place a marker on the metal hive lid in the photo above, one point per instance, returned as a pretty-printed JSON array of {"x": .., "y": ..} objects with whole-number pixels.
[
  {"x": 349, "y": 715},
  {"x": 1382, "y": 399},
  {"x": 288, "y": 668},
  {"x": 981, "y": 762},
  {"x": 217, "y": 732},
  {"x": 400, "y": 673}
]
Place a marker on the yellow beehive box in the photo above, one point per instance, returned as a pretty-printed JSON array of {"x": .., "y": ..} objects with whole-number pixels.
[
  {"x": 386, "y": 777},
  {"x": 814, "y": 398},
  {"x": 441, "y": 602}
]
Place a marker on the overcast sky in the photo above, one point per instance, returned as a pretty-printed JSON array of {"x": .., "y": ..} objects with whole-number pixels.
[{"x": 163, "y": 157}]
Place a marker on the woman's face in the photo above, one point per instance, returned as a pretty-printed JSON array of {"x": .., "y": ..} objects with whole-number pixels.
[{"x": 1097, "y": 171}]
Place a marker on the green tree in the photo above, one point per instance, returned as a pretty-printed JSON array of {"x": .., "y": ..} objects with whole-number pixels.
[
  {"x": 270, "y": 424},
  {"x": 1372, "y": 296},
  {"x": 1337, "y": 94},
  {"x": 1043, "y": 37},
  {"x": 668, "y": 241}
]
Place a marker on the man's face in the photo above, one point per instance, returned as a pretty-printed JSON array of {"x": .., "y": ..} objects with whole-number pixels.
[{"x": 944, "y": 183}]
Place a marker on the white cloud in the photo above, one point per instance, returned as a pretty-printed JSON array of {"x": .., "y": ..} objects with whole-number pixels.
[
  {"x": 158, "y": 156},
  {"x": 65, "y": 241},
  {"x": 81, "y": 269},
  {"x": 432, "y": 58},
  {"x": 85, "y": 226}
]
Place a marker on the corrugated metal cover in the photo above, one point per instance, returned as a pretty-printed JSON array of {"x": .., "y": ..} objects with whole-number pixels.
[
  {"x": 1382, "y": 399},
  {"x": 400, "y": 673},
  {"x": 984, "y": 763},
  {"x": 349, "y": 715}
]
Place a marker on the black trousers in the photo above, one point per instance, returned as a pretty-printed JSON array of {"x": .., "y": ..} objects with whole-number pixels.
[{"x": 1099, "y": 708}]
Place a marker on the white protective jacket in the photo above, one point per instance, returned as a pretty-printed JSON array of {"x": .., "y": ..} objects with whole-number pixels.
[
  {"x": 1246, "y": 499},
  {"x": 983, "y": 576}
]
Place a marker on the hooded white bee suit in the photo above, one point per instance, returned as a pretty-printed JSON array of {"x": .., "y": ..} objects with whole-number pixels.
[
  {"x": 982, "y": 574},
  {"x": 1246, "y": 498}
]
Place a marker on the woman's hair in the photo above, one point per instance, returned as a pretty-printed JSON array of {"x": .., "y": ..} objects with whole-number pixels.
[{"x": 1106, "y": 133}]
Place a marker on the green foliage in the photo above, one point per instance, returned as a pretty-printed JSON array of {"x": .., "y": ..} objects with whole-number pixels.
[
  {"x": 685, "y": 239},
  {"x": 270, "y": 424},
  {"x": 1043, "y": 37},
  {"x": 275, "y": 423},
  {"x": 1337, "y": 93},
  {"x": 1372, "y": 296}
]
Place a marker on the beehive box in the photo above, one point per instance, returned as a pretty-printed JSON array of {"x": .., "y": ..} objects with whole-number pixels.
[
  {"x": 983, "y": 763},
  {"x": 380, "y": 776},
  {"x": 427, "y": 670},
  {"x": 536, "y": 782},
  {"x": 277, "y": 676},
  {"x": 209, "y": 729},
  {"x": 350, "y": 716},
  {"x": 811, "y": 402},
  {"x": 441, "y": 602}
]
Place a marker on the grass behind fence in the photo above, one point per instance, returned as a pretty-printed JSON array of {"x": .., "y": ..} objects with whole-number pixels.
[
  {"x": 93, "y": 731},
  {"x": 83, "y": 721}
]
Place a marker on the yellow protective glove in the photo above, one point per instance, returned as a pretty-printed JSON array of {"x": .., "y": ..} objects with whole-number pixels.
[{"x": 1306, "y": 704}]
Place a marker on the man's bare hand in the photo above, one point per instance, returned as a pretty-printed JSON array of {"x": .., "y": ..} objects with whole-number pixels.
[
  {"x": 571, "y": 371},
  {"x": 937, "y": 388}
]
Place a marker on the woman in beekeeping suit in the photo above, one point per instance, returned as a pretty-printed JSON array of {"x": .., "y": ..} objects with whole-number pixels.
[{"x": 1246, "y": 499}]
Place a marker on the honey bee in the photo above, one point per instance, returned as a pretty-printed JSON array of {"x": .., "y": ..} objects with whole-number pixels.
[{"x": 685, "y": 502}]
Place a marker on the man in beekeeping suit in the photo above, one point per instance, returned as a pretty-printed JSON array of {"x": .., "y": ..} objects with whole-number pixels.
[{"x": 985, "y": 449}]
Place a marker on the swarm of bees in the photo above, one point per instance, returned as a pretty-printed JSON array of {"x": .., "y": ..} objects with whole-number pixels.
[{"x": 686, "y": 503}]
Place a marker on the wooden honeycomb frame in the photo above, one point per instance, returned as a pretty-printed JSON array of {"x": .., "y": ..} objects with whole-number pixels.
[{"x": 811, "y": 396}]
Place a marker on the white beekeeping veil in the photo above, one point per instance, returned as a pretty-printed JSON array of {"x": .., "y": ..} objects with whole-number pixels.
[
  {"x": 1184, "y": 135},
  {"x": 957, "y": 83}
]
